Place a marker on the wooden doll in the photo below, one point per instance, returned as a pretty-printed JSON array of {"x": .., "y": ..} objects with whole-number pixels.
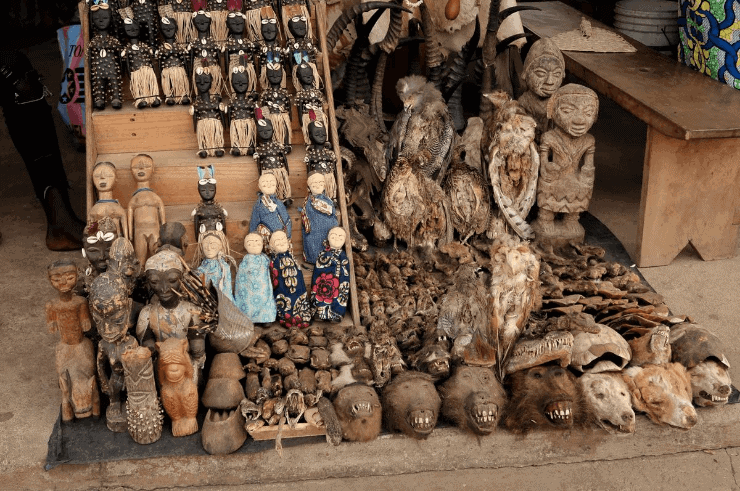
[
  {"x": 253, "y": 287},
  {"x": 269, "y": 213},
  {"x": 205, "y": 52},
  {"x": 104, "y": 180},
  {"x": 318, "y": 216},
  {"x": 207, "y": 112},
  {"x": 178, "y": 389},
  {"x": 218, "y": 11},
  {"x": 330, "y": 283},
  {"x": 145, "y": 209},
  {"x": 240, "y": 51},
  {"x": 213, "y": 260},
  {"x": 103, "y": 55},
  {"x": 276, "y": 100},
  {"x": 301, "y": 43},
  {"x": 291, "y": 298},
  {"x": 240, "y": 112},
  {"x": 97, "y": 239},
  {"x": 209, "y": 214},
  {"x": 292, "y": 9},
  {"x": 255, "y": 11},
  {"x": 75, "y": 358},
  {"x": 308, "y": 97},
  {"x": 137, "y": 60},
  {"x": 269, "y": 50},
  {"x": 566, "y": 164},
  {"x": 173, "y": 60},
  {"x": 271, "y": 157},
  {"x": 146, "y": 15},
  {"x": 110, "y": 308},
  {"x": 183, "y": 15},
  {"x": 319, "y": 156}
]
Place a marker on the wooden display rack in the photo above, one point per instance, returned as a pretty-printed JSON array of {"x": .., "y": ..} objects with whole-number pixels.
[{"x": 166, "y": 134}]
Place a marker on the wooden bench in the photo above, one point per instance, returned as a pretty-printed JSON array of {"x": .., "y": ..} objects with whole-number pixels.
[{"x": 691, "y": 173}]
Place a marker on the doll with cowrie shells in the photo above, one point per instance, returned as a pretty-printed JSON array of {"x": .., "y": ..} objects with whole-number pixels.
[
  {"x": 205, "y": 52},
  {"x": 173, "y": 61},
  {"x": 219, "y": 11},
  {"x": 240, "y": 51},
  {"x": 182, "y": 13},
  {"x": 97, "y": 239},
  {"x": 318, "y": 216},
  {"x": 289, "y": 289},
  {"x": 209, "y": 214},
  {"x": 253, "y": 286},
  {"x": 319, "y": 155},
  {"x": 330, "y": 282},
  {"x": 269, "y": 50},
  {"x": 137, "y": 57},
  {"x": 104, "y": 180},
  {"x": 207, "y": 112},
  {"x": 103, "y": 53},
  {"x": 275, "y": 99},
  {"x": 292, "y": 9},
  {"x": 271, "y": 156},
  {"x": 240, "y": 111}
]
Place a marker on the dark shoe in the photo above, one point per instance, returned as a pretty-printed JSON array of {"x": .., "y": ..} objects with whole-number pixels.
[{"x": 63, "y": 228}]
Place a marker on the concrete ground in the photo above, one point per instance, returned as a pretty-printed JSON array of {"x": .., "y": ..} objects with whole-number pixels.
[{"x": 654, "y": 458}]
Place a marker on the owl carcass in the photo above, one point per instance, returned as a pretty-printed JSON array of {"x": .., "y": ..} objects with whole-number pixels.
[
  {"x": 470, "y": 204},
  {"x": 424, "y": 124}
]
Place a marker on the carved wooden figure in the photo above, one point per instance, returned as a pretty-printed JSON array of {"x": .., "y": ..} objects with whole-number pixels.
[
  {"x": 96, "y": 243},
  {"x": 183, "y": 15},
  {"x": 103, "y": 55},
  {"x": 330, "y": 282},
  {"x": 219, "y": 13},
  {"x": 271, "y": 158},
  {"x": 173, "y": 63},
  {"x": 319, "y": 155},
  {"x": 104, "y": 180},
  {"x": 253, "y": 286},
  {"x": 255, "y": 11},
  {"x": 240, "y": 110},
  {"x": 110, "y": 307},
  {"x": 544, "y": 71},
  {"x": 291, "y": 298},
  {"x": 147, "y": 16},
  {"x": 179, "y": 392},
  {"x": 75, "y": 357},
  {"x": 209, "y": 214},
  {"x": 205, "y": 52},
  {"x": 143, "y": 410},
  {"x": 299, "y": 39},
  {"x": 137, "y": 60},
  {"x": 318, "y": 216},
  {"x": 294, "y": 12},
  {"x": 207, "y": 112},
  {"x": 145, "y": 209},
  {"x": 269, "y": 50}
]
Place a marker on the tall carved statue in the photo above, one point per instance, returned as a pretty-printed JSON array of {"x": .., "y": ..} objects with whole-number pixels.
[
  {"x": 544, "y": 71},
  {"x": 145, "y": 209},
  {"x": 104, "y": 179}
]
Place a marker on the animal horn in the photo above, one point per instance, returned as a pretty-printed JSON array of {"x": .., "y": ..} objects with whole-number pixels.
[
  {"x": 350, "y": 14},
  {"x": 434, "y": 56},
  {"x": 376, "y": 101},
  {"x": 393, "y": 34},
  {"x": 457, "y": 75}
]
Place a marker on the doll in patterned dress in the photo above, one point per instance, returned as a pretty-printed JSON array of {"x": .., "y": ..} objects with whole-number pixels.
[
  {"x": 318, "y": 216},
  {"x": 253, "y": 287},
  {"x": 330, "y": 283},
  {"x": 289, "y": 289}
]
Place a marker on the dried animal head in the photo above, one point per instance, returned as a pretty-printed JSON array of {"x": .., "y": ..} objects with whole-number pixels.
[
  {"x": 555, "y": 345},
  {"x": 294, "y": 407},
  {"x": 434, "y": 360},
  {"x": 609, "y": 399},
  {"x": 473, "y": 399},
  {"x": 651, "y": 347},
  {"x": 663, "y": 392},
  {"x": 411, "y": 405},
  {"x": 250, "y": 410},
  {"x": 358, "y": 409},
  {"x": 545, "y": 397},
  {"x": 599, "y": 352},
  {"x": 710, "y": 383}
]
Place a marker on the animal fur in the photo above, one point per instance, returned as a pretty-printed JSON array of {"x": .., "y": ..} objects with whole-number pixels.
[
  {"x": 663, "y": 392},
  {"x": 470, "y": 203},
  {"x": 652, "y": 347},
  {"x": 473, "y": 399},
  {"x": 411, "y": 405},
  {"x": 545, "y": 397},
  {"x": 358, "y": 409},
  {"x": 710, "y": 383},
  {"x": 609, "y": 400}
]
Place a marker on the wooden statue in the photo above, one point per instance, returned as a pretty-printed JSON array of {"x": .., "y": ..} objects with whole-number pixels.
[
  {"x": 103, "y": 55},
  {"x": 143, "y": 410},
  {"x": 183, "y": 15},
  {"x": 269, "y": 49},
  {"x": 318, "y": 217},
  {"x": 104, "y": 180},
  {"x": 207, "y": 112},
  {"x": 145, "y": 209},
  {"x": 308, "y": 97},
  {"x": 319, "y": 155},
  {"x": 96, "y": 243},
  {"x": 173, "y": 63},
  {"x": 110, "y": 307},
  {"x": 255, "y": 11},
  {"x": 122, "y": 261},
  {"x": 269, "y": 213},
  {"x": 75, "y": 357},
  {"x": 209, "y": 214},
  {"x": 271, "y": 157},
  {"x": 330, "y": 283},
  {"x": 240, "y": 111},
  {"x": 299, "y": 38},
  {"x": 137, "y": 61},
  {"x": 146, "y": 15},
  {"x": 205, "y": 52},
  {"x": 544, "y": 71},
  {"x": 295, "y": 12},
  {"x": 179, "y": 392},
  {"x": 214, "y": 261},
  {"x": 566, "y": 164},
  {"x": 253, "y": 286},
  {"x": 291, "y": 298}
]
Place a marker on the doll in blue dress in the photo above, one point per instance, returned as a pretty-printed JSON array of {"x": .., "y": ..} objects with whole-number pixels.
[
  {"x": 289, "y": 289},
  {"x": 330, "y": 283},
  {"x": 214, "y": 261},
  {"x": 253, "y": 287},
  {"x": 318, "y": 216},
  {"x": 269, "y": 213}
]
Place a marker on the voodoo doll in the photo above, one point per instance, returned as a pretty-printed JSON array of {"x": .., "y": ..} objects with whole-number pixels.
[
  {"x": 173, "y": 61},
  {"x": 137, "y": 59},
  {"x": 103, "y": 55}
]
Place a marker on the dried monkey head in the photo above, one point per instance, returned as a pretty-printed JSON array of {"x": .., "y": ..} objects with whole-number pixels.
[
  {"x": 358, "y": 410},
  {"x": 411, "y": 405},
  {"x": 473, "y": 399}
]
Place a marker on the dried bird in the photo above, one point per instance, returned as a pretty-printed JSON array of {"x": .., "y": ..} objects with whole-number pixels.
[{"x": 470, "y": 204}]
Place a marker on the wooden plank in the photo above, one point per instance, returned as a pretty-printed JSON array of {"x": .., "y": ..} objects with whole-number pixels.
[
  {"x": 301, "y": 430},
  {"x": 91, "y": 148},
  {"x": 668, "y": 96},
  {"x": 689, "y": 195}
]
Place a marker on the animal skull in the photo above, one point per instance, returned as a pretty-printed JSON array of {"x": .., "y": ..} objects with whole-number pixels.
[{"x": 556, "y": 345}]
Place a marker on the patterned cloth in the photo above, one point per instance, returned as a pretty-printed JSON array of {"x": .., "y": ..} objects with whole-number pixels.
[
  {"x": 253, "y": 289},
  {"x": 291, "y": 298},
  {"x": 330, "y": 284},
  {"x": 318, "y": 216},
  {"x": 710, "y": 38},
  {"x": 218, "y": 272}
]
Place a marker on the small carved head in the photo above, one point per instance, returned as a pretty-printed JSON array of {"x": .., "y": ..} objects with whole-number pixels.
[
  {"x": 574, "y": 109},
  {"x": 63, "y": 275},
  {"x": 544, "y": 68},
  {"x": 104, "y": 176},
  {"x": 110, "y": 306}
]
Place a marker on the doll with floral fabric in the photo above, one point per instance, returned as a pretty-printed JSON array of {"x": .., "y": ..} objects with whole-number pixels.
[
  {"x": 253, "y": 288},
  {"x": 289, "y": 289},
  {"x": 330, "y": 282}
]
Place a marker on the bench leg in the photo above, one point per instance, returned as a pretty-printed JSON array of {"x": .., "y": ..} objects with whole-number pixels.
[{"x": 690, "y": 192}]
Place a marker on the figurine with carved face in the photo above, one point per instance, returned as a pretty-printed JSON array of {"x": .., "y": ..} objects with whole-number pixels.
[
  {"x": 271, "y": 157},
  {"x": 255, "y": 11},
  {"x": 110, "y": 307},
  {"x": 319, "y": 155},
  {"x": 240, "y": 51},
  {"x": 182, "y": 13},
  {"x": 205, "y": 52},
  {"x": 318, "y": 216},
  {"x": 275, "y": 99},
  {"x": 544, "y": 71},
  {"x": 214, "y": 261},
  {"x": 253, "y": 288},
  {"x": 207, "y": 113},
  {"x": 104, "y": 179},
  {"x": 103, "y": 55},
  {"x": 75, "y": 359},
  {"x": 240, "y": 111},
  {"x": 145, "y": 209},
  {"x": 209, "y": 214},
  {"x": 330, "y": 284},
  {"x": 123, "y": 262},
  {"x": 291, "y": 298},
  {"x": 269, "y": 213},
  {"x": 173, "y": 61},
  {"x": 146, "y": 15},
  {"x": 96, "y": 243},
  {"x": 137, "y": 59},
  {"x": 296, "y": 18},
  {"x": 566, "y": 163}
]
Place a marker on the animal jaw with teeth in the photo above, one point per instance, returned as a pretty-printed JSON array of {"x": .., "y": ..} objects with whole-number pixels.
[{"x": 609, "y": 399}]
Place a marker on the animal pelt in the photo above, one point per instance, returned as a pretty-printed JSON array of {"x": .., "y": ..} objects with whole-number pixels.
[
  {"x": 411, "y": 405},
  {"x": 424, "y": 124},
  {"x": 473, "y": 399},
  {"x": 359, "y": 412},
  {"x": 545, "y": 397},
  {"x": 663, "y": 392},
  {"x": 470, "y": 203},
  {"x": 609, "y": 400}
]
